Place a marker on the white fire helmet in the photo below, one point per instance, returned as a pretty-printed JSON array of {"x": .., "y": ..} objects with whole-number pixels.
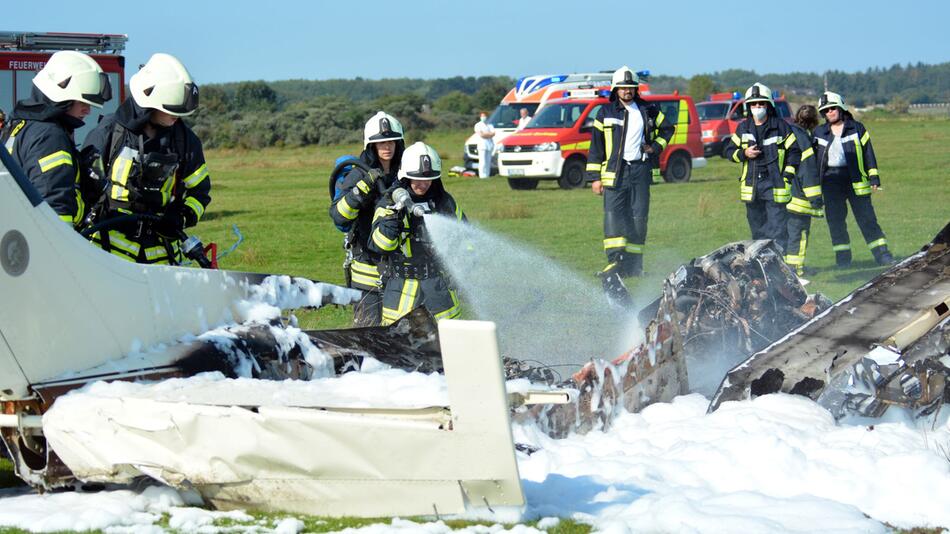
[
  {"x": 165, "y": 84},
  {"x": 624, "y": 77},
  {"x": 71, "y": 75},
  {"x": 830, "y": 100},
  {"x": 381, "y": 127},
  {"x": 420, "y": 162},
  {"x": 758, "y": 93}
]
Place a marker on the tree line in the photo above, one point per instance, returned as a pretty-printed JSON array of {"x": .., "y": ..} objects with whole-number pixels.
[{"x": 257, "y": 114}]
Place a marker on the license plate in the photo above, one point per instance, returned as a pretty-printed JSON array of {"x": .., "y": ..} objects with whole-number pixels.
[{"x": 515, "y": 172}]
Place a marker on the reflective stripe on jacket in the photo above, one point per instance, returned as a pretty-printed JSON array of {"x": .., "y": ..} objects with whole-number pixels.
[
  {"x": 607, "y": 138},
  {"x": 858, "y": 152},
  {"x": 805, "y": 186},
  {"x": 781, "y": 156}
]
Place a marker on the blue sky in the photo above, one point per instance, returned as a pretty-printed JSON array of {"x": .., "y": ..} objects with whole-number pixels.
[{"x": 276, "y": 40}]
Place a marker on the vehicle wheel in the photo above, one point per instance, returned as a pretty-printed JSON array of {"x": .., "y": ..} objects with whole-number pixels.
[
  {"x": 522, "y": 183},
  {"x": 678, "y": 168},
  {"x": 573, "y": 175}
]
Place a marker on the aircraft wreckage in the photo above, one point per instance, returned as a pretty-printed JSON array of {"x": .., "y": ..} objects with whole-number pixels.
[{"x": 120, "y": 321}]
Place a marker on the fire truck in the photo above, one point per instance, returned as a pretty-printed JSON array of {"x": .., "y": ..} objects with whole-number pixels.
[
  {"x": 531, "y": 93},
  {"x": 24, "y": 53},
  {"x": 722, "y": 113},
  {"x": 554, "y": 144}
]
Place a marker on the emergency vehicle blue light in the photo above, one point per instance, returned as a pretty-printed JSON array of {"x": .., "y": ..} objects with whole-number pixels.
[
  {"x": 565, "y": 94},
  {"x": 643, "y": 73},
  {"x": 604, "y": 92},
  {"x": 736, "y": 95}
]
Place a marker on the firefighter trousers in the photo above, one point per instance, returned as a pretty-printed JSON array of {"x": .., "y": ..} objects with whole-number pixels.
[
  {"x": 837, "y": 192},
  {"x": 799, "y": 226},
  {"x": 369, "y": 310},
  {"x": 768, "y": 219},
  {"x": 626, "y": 209},
  {"x": 402, "y": 295}
]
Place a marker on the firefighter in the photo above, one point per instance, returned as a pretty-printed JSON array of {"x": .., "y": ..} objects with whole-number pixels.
[
  {"x": 768, "y": 151},
  {"x": 39, "y": 134},
  {"x": 848, "y": 171},
  {"x": 383, "y": 146},
  {"x": 412, "y": 274},
  {"x": 157, "y": 179},
  {"x": 628, "y": 136},
  {"x": 805, "y": 188}
]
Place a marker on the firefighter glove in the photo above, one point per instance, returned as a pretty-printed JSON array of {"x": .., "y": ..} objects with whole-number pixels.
[
  {"x": 817, "y": 203},
  {"x": 171, "y": 224}
]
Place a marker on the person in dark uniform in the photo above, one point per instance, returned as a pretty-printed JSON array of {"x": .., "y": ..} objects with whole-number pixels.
[
  {"x": 383, "y": 146},
  {"x": 766, "y": 148},
  {"x": 849, "y": 174},
  {"x": 412, "y": 274},
  {"x": 805, "y": 189},
  {"x": 158, "y": 181},
  {"x": 39, "y": 134},
  {"x": 628, "y": 136}
]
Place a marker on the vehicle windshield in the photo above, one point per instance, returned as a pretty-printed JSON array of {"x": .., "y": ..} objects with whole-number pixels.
[
  {"x": 712, "y": 110},
  {"x": 558, "y": 116},
  {"x": 507, "y": 115}
]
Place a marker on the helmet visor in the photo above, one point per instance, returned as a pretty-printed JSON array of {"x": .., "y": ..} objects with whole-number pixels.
[
  {"x": 104, "y": 94},
  {"x": 188, "y": 104}
]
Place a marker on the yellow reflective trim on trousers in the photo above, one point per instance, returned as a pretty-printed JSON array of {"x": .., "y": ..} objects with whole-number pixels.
[
  {"x": 452, "y": 312},
  {"x": 410, "y": 290},
  {"x": 790, "y": 170},
  {"x": 55, "y": 160},
  {"x": 807, "y": 153},
  {"x": 196, "y": 177},
  {"x": 841, "y": 248},
  {"x": 383, "y": 242},
  {"x": 794, "y": 260},
  {"x": 634, "y": 248},
  {"x": 343, "y": 208},
  {"x": 154, "y": 253},
  {"x": 196, "y": 206},
  {"x": 615, "y": 242},
  {"x": 865, "y": 138},
  {"x": 877, "y": 243},
  {"x": 813, "y": 191}
]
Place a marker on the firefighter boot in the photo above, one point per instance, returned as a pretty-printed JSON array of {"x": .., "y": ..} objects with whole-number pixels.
[
  {"x": 883, "y": 256},
  {"x": 843, "y": 258},
  {"x": 614, "y": 288},
  {"x": 632, "y": 265}
]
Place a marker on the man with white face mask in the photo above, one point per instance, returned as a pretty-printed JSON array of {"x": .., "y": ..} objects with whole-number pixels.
[{"x": 766, "y": 147}]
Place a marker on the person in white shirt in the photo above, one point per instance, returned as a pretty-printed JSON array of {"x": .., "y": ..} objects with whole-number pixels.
[
  {"x": 524, "y": 119},
  {"x": 486, "y": 145}
]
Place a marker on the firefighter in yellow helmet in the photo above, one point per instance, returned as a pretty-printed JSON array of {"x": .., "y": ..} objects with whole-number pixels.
[
  {"x": 158, "y": 183},
  {"x": 39, "y": 134},
  {"x": 352, "y": 210},
  {"x": 412, "y": 274},
  {"x": 849, "y": 174},
  {"x": 767, "y": 150},
  {"x": 628, "y": 136}
]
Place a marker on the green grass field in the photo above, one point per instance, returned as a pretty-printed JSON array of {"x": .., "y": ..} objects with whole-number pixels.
[{"x": 279, "y": 199}]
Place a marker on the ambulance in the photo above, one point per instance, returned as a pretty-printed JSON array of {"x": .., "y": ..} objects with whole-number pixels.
[
  {"x": 531, "y": 93},
  {"x": 22, "y": 54},
  {"x": 554, "y": 144}
]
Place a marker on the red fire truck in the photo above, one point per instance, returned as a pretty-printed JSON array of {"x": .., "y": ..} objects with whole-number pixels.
[
  {"x": 722, "y": 113},
  {"x": 24, "y": 53}
]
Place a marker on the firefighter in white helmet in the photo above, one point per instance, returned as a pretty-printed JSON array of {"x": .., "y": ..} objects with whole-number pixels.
[
  {"x": 412, "y": 274},
  {"x": 765, "y": 146},
  {"x": 352, "y": 209},
  {"x": 849, "y": 174},
  {"x": 39, "y": 134},
  {"x": 628, "y": 136},
  {"x": 157, "y": 179}
]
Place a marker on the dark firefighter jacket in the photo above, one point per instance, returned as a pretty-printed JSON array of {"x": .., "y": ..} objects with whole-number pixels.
[
  {"x": 610, "y": 129},
  {"x": 777, "y": 163},
  {"x": 354, "y": 210},
  {"x": 120, "y": 140},
  {"x": 805, "y": 187},
  {"x": 858, "y": 152},
  {"x": 39, "y": 136},
  {"x": 403, "y": 237}
]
